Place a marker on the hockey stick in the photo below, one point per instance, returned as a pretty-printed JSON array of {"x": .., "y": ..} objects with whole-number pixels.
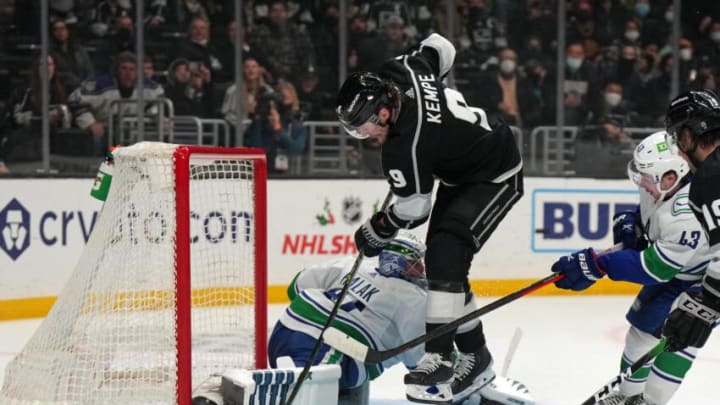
[
  {"x": 514, "y": 342},
  {"x": 359, "y": 351},
  {"x": 618, "y": 379},
  {"x": 331, "y": 317},
  {"x": 606, "y": 389}
]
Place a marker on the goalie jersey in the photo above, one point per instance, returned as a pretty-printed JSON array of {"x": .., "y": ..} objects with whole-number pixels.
[
  {"x": 437, "y": 135},
  {"x": 381, "y": 312},
  {"x": 678, "y": 246}
]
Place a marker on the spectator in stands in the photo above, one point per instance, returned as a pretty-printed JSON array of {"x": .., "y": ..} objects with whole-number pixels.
[
  {"x": 631, "y": 35},
  {"x": 92, "y": 102},
  {"x": 197, "y": 48},
  {"x": 20, "y": 134},
  {"x": 537, "y": 102},
  {"x": 508, "y": 82},
  {"x": 710, "y": 45},
  {"x": 182, "y": 12},
  {"x": 486, "y": 34},
  {"x": 609, "y": 19},
  {"x": 578, "y": 85},
  {"x": 104, "y": 16},
  {"x": 121, "y": 39},
  {"x": 292, "y": 137},
  {"x": 379, "y": 12},
  {"x": 316, "y": 102},
  {"x": 72, "y": 61},
  {"x": 255, "y": 92},
  {"x": 609, "y": 105},
  {"x": 148, "y": 67},
  {"x": 374, "y": 51},
  {"x": 287, "y": 46},
  {"x": 189, "y": 88},
  {"x": 325, "y": 36},
  {"x": 706, "y": 75},
  {"x": 63, "y": 10}
]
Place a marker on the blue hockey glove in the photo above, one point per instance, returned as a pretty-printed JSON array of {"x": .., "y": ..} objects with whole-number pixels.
[
  {"x": 627, "y": 229},
  {"x": 689, "y": 323},
  {"x": 581, "y": 270},
  {"x": 373, "y": 235}
]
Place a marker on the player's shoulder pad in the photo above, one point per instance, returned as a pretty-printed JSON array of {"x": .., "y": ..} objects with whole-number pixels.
[{"x": 445, "y": 51}]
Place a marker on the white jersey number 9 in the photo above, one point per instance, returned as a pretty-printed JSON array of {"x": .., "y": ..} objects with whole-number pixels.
[{"x": 458, "y": 107}]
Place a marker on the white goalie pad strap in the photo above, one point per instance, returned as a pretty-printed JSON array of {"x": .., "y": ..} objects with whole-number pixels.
[
  {"x": 445, "y": 50},
  {"x": 471, "y": 324},
  {"x": 443, "y": 307}
]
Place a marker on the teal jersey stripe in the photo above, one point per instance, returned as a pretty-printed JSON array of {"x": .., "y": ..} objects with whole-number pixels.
[
  {"x": 654, "y": 264},
  {"x": 308, "y": 312}
]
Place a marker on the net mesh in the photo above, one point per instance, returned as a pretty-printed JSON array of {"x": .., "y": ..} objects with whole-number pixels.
[{"x": 111, "y": 336}]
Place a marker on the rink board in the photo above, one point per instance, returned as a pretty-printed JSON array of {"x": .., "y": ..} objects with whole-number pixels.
[{"x": 45, "y": 223}]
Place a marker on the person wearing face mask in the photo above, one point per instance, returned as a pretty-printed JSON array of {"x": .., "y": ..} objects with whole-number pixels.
[
  {"x": 710, "y": 45},
  {"x": 631, "y": 36},
  {"x": 507, "y": 79},
  {"x": 579, "y": 81}
]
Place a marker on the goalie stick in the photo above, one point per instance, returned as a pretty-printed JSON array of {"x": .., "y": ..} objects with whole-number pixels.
[
  {"x": 361, "y": 352},
  {"x": 331, "y": 317}
]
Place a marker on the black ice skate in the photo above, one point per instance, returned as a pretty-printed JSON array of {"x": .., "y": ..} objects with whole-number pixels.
[
  {"x": 472, "y": 372},
  {"x": 430, "y": 382}
]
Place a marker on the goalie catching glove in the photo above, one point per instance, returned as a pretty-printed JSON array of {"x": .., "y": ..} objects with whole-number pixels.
[
  {"x": 372, "y": 236},
  {"x": 581, "y": 270}
]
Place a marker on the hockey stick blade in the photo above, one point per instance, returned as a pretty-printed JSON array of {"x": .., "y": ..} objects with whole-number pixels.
[
  {"x": 606, "y": 389},
  {"x": 351, "y": 347}
]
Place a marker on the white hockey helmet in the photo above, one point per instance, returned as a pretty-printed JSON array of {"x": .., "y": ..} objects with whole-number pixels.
[
  {"x": 652, "y": 158},
  {"x": 403, "y": 257}
]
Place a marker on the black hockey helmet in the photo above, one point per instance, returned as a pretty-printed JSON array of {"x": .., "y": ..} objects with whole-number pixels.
[
  {"x": 361, "y": 97},
  {"x": 697, "y": 110}
]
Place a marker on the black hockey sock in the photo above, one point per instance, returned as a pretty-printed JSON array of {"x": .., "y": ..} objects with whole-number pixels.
[
  {"x": 441, "y": 344},
  {"x": 471, "y": 341}
]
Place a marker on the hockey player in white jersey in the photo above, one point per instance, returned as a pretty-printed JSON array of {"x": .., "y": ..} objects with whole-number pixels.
[
  {"x": 670, "y": 261},
  {"x": 383, "y": 308}
]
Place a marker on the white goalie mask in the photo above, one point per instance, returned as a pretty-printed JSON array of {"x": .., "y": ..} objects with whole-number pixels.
[
  {"x": 653, "y": 158},
  {"x": 403, "y": 258}
]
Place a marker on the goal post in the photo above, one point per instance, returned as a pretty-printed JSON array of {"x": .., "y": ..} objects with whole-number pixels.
[{"x": 170, "y": 288}]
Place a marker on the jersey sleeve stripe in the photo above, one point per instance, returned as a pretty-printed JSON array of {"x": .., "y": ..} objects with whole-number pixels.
[
  {"x": 418, "y": 128},
  {"x": 666, "y": 258},
  {"x": 655, "y": 266}
]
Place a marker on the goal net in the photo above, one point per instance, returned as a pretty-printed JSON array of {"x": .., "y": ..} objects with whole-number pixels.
[{"x": 169, "y": 290}]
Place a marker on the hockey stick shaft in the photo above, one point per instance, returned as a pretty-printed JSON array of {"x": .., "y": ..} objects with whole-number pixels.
[
  {"x": 331, "y": 317},
  {"x": 606, "y": 389},
  {"x": 660, "y": 347},
  {"x": 361, "y": 352}
]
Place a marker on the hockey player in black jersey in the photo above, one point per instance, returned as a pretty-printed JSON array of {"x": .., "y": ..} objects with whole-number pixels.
[
  {"x": 693, "y": 120},
  {"x": 428, "y": 131}
]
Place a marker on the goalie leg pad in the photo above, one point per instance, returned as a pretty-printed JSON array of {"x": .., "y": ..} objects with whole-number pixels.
[{"x": 502, "y": 391}]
